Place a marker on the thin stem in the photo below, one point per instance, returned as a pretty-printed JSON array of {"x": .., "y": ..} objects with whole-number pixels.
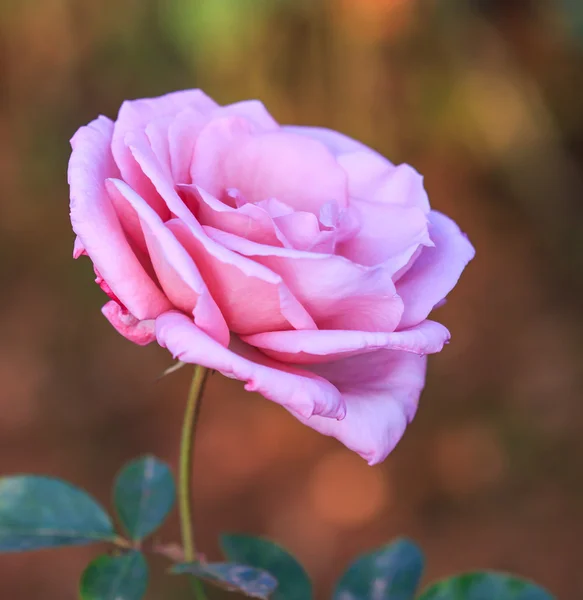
[{"x": 185, "y": 470}]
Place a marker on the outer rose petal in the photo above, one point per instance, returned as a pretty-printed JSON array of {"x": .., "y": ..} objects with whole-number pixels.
[
  {"x": 177, "y": 273},
  {"x": 336, "y": 142},
  {"x": 305, "y": 347},
  {"x": 139, "y": 332},
  {"x": 301, "y": 392},
  {"x": 337, "y": 293},
  {"x": 252, "y": 110},
  {"x": 436, "y": 271},
  {"x": 381, "y": 391},
  {"x": 78, "y": 249},
  {"x": 97, "y": 225},
  {"x": 299, "y": 171}
]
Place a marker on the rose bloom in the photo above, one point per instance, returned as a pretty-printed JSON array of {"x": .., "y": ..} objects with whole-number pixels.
[{"x": 294, "y": 258}]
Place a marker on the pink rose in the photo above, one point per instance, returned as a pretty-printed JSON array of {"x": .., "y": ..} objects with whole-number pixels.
[{"x": 293, "y": 258}]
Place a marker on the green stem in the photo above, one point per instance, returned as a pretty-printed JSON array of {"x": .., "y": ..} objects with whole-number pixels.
[{"x": 185, "y": 470}]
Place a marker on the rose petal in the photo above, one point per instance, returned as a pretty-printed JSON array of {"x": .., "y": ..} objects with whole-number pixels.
[
  {"x": 78, "y": 248},
  {"x": 336, "y": 292},
  {"x": 301, "y": 392},
  {"x": 302, "y": 230},
  {"x": 182, "y": 135},
  {"x": 336, "y": 142},
  {"x": 388, "y": 234},
  {"x": 235, "y": 282},
  {"x": 130, "y": 223},
  {"x": 251, "y": 297},
  {"x": 275, "y": 208},
  {"x": 231, "y": 153},
  {"x": 305, "y": 347},
  {"x": 159, "y": 175},
  {"x": 344, "y": 222},
  {"x": 436, "y": 271},
  {"x": 249, "y": 220},
  {"x": 381, "y": 391},
  {"x": 157, "y": 133},
  {"x": 414, "y": 256},
  {"x": 135, "y": 115},
  {"x": 373, "y": 178},
  {"x": 97, "y": 225},
  {"x": 139, "y": 332},
  {"x": 176, "y": 271},
  {"x": 252, "y": 110}
]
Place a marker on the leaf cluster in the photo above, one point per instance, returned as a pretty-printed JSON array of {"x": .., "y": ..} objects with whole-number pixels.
[{"x": 39, "y": 512}]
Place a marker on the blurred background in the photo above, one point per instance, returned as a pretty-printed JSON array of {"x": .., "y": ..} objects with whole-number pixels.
[{"x": 485, "y": 98}]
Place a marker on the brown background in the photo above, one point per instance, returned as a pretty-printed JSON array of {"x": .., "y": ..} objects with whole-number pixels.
[{"x": 483, "y": 97}]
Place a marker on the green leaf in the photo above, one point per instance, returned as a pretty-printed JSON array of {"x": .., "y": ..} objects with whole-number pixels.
[
  {"x": 144, "y": 493},
  {"x": 42, "y": 512},
  {"x": 390, "y": 573},
  {"x": 293, "y": 582},
  {"x": 485, "y": 586},
  {"x": 123, "y": 577},
  {"x": 256, "y": 583}
]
